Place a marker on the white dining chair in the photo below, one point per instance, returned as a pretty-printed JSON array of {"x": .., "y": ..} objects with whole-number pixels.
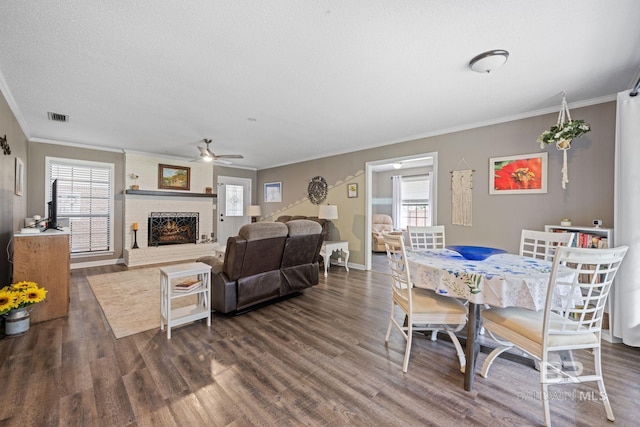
[
  {"x": 424, "y": 309},
  {"x": 426, "y": 237},
  {"x": 569, "y": 326},
  {"x": 542, "y": 244}
]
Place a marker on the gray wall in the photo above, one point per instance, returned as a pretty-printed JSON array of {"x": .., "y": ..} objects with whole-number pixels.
[
  {"x": 36, "y": 190},
  {"x": 13, "y": 208},
  {"x": 497, "y": 219}
]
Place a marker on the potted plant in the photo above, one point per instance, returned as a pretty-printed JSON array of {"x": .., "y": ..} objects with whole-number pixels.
[
  {"x": 562, "y": 134},
  {"x": 564, "y": 131},
  {"x": 15, "y": 300}
]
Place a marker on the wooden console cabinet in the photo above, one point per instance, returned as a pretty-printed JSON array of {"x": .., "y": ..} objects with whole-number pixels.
[{"x": 44, "y": 258}]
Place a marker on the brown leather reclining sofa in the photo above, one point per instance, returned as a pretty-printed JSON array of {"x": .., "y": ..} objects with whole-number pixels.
[{"x": 265, "y": 261}]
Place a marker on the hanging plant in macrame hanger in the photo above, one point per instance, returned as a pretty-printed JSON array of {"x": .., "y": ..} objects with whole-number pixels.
[{"x": 562, "y": 134}]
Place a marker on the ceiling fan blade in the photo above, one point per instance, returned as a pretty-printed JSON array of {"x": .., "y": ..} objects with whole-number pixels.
[
  {"x": 229, "y": 156},
  {"x": 203, "y": 151},
  {"x": 222, "y": 161}
]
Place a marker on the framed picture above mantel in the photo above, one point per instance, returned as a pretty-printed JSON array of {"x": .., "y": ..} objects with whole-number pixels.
[{"x": 174, "y": 177}]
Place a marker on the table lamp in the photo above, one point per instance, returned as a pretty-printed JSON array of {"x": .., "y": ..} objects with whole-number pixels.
[
  {"x": 328, "y": 212},
  {"x": 254, "y": 211}
]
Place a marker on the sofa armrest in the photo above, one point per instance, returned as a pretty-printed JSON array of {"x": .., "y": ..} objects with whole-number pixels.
[
  {"x": 216, "y": 263},
  {"x": 224, "y": 293}
]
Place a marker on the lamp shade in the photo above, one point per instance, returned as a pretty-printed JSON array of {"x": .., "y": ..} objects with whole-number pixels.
[
  {"x": 328, "y": 212},
  {"x": 254, "y": 210}
]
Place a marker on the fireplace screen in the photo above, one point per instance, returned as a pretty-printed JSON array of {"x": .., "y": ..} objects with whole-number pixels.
[{"x": 171, "y": 228}]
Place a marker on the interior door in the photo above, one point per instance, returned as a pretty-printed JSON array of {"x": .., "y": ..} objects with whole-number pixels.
[{"x": 234, "y": 195}]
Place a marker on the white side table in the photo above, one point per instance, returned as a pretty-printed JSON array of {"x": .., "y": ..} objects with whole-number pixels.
[
  {"x": 178, "y": 316},
  {"x": 331, "y": 246},
  {"x": 219, "y": 250}
]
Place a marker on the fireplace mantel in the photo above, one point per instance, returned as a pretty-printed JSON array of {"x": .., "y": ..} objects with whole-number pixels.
[{"x": 168, "y": 193}]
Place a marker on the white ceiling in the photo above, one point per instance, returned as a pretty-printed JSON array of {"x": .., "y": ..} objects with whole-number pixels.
[{"x": 290, "y": 80}]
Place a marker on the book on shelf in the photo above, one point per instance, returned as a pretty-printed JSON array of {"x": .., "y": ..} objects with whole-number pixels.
[
  {"x": 586, "y": 240},
  {"x": 187, "y": 285}
]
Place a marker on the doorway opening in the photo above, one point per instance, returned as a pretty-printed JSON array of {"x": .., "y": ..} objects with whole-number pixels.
[{"x": 379, "y": 194}]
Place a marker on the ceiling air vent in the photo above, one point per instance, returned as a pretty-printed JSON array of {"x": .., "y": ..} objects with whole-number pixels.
[{"x": 57, "y": 117}]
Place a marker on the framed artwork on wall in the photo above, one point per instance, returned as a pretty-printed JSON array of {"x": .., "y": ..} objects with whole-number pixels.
[
  {"x": 174, "y": 177},
  {"x": 19, "y": 176},
  {"x": 273, "y": 192},
  {"x": 352, "y": 190},
  {"x": 521, "y": 174}
]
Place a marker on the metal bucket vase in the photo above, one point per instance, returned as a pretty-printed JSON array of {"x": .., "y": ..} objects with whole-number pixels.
[{"x": 17, "y": 322}]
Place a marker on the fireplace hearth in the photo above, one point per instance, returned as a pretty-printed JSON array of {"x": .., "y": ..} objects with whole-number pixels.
[{"x": 173, "y": 228}]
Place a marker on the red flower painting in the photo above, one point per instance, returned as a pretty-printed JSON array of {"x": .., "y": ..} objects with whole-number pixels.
[{"x": 521, "y": 174}]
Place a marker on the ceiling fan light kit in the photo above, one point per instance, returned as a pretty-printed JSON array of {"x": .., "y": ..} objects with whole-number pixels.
[
  {"x": 209, "y": 156},
  {"x": 488, "y": 61}
]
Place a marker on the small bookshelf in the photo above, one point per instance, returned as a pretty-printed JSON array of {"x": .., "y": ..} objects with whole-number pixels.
[{"x": 594, "y": 237}]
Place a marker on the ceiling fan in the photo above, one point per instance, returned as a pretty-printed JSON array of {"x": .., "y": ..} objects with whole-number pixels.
[{"x": 208, "y": 156}]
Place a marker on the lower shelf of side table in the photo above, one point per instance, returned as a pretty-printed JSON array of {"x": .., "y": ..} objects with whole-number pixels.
[{"x": 190, "y": 313}]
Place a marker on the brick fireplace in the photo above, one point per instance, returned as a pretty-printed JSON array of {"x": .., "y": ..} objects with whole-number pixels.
[{"x": 185, "y": 218}]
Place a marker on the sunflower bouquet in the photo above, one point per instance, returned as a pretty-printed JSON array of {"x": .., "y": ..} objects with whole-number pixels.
[{"x": 20, "y": 295}]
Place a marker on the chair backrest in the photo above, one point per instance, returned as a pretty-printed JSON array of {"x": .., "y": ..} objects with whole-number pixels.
[
  {"x": 542, "y": 244},
  {"x": 400, "y": 280},
  {"x": 426, "y": 237},
  {"x": 594, "y": 270},
  {"x": 381, "y": 223}
]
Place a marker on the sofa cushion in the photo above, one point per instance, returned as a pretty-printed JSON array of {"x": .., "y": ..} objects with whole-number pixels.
[
  {"x": 263, "y": 230},
  {"x": 323, "y": 222},
  {"x": 304, "y": 243},
  {"x": 300, "y": 227}
]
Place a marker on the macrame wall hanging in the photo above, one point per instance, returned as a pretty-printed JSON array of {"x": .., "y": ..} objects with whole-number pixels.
[
  {"x": 562, "y": 134},
  {"x": 461, "y": 197}
]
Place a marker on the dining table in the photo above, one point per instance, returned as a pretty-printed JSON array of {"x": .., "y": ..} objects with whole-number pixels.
[{"x": 501, "y": 280}]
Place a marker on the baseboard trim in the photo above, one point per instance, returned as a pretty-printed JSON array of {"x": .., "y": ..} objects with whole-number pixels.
[{"x": 78, "y": 265}]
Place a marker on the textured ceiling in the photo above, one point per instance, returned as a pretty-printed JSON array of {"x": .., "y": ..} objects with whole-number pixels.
[{"x": 289, "y": 80}]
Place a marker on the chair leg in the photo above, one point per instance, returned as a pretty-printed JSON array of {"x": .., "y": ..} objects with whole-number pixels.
[
  {"x": 434, "y": 335},
  {"x": 603, "y": 392},
  {"x": 386, "y": 338},
  {"x": 545, "y": 404},
  {"x": 459, "y": 351},
  {"x": 489, "y": 360},
  {"x": 407, "y": 350}
]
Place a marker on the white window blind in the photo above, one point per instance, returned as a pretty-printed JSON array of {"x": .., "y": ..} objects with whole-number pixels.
[
  {"x": 85, "y": 198},
  {"x": 415, "y": 192}
]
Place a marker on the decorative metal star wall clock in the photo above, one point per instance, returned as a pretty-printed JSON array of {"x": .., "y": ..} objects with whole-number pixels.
[{"x": 317, "y": 190}]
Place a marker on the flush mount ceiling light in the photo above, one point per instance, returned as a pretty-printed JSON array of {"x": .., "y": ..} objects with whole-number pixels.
[
  {"x": 397, "y": 165},
  {"x": 488, "y": 61}
]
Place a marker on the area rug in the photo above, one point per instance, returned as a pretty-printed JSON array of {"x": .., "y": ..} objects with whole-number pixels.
[{"x": 130, "y": 300}]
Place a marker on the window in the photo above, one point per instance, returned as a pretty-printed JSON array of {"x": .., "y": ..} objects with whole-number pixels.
[
  {"x": 415, "y": 206},
  {"x": 235, "y": 200},
  {"x": 85, "y": 198}
]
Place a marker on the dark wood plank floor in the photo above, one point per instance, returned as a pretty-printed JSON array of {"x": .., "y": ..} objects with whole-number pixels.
[{"x": 318, "y": 359}]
